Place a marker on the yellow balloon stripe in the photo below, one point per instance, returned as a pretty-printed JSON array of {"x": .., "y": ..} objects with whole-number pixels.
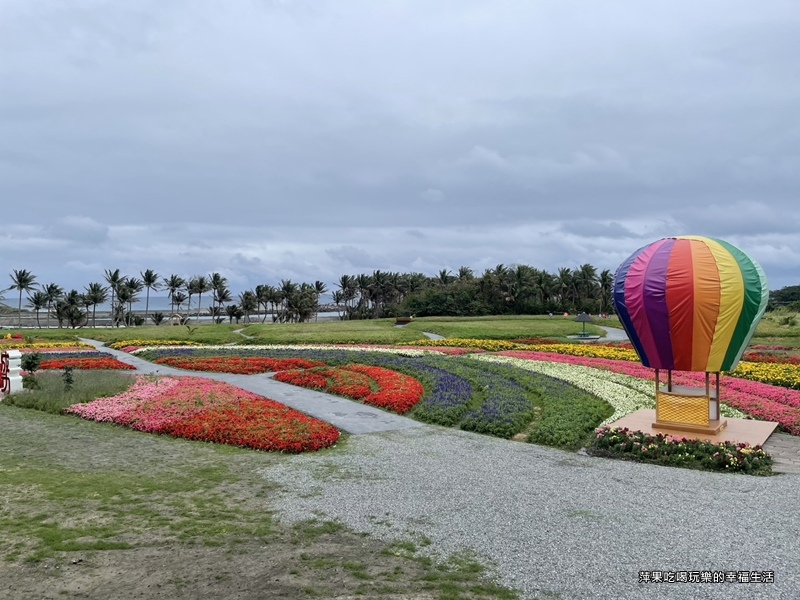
[{"x": 731, "y": 301}]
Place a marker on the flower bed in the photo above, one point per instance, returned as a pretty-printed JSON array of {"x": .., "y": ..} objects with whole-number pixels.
[
  {"x": 237, "y": 364},
  {"x": 24, "y": 346},
  {"x": 771, "y": 357},
  {"x": 590, "y": 351},
  {"x": 124, "y": 344},
  {"x": 498, "y": 400},
  {"x": 275, "y": 350},
  {"x": 84, "y": 360},
  {"x": 372, "y": 385},
  {"x": 759, "y": 400},
  {"x": 624, "y": 393},
  {"x": 488, "y": 345},
  {"x": 212, "y": 411},
  {"x": 667, "y": 450}
]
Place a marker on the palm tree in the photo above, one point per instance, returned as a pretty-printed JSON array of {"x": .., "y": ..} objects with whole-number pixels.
[
  {"x": 114, "y": 279},
  {"x": 217, "y": 282},
  {"x": 69, "y": 309},
  {"x": 248, "y": 303},
  {"x": 178, "y": 298},
  {"x": 319, "y": 289},
  {"x": 444, "y": 278},
  {"x": 565, "y": 285},
  {"x": 585, "y": 282},
  {"x": 173, "y": 284},
  {"x": 150, "y": 281},
  {"x": 37, "y": 301},
  {"x": 347, "y": 285},
  {"x": 201, "y": 286},
  {"x": 465, "y": 274},
  {"x": 96, "y": 294},
  {"x": 606, "y": 282},
  {"x": 134, "y": 287},
  {"x": 124, "y": 295},
  {"x": 25, "y": 281},
  {"x": 221, "y": 295},
  {"x": 53, "y": 292}
]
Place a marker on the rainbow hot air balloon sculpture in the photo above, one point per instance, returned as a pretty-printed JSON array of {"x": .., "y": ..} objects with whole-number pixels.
[{"x": 690, "y": 303}]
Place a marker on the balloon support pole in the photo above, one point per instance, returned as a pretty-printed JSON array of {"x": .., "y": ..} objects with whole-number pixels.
[{"x": 687, "y": 408}]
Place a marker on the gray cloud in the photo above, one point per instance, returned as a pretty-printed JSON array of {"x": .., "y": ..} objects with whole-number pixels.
[{"x": 308, "y": 138}]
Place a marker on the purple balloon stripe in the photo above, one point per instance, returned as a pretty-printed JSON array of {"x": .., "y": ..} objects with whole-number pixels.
[
  {"x": 655, "y": 305},
  {"x": 634, "y": 300}
]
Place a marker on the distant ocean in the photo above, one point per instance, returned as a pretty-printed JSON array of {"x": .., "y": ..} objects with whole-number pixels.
[{"x": 161, "y": 304}]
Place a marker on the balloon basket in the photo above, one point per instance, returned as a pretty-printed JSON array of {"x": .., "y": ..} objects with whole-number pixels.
[{"x": 688, "y": 409}]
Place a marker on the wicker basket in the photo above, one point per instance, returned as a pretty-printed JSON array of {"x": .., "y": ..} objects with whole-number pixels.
[{"x": 679, "y": 408}]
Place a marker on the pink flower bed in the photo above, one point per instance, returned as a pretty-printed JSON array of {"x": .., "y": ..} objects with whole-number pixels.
[
  {"x": 212, "y": 411},
  {"x": 762, "y": 401}
]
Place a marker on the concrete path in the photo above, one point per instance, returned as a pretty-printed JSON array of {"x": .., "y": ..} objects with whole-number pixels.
[
  {"x": 614, "y": 334},
  {"x": 347, "y": 415},
  {"x": 432, "y": 336}
]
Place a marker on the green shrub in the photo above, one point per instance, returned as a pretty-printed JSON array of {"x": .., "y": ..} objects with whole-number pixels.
[{"x": 30, "y": 362}]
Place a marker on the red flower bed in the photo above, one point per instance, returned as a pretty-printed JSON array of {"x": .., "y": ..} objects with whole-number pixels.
[
  {"x": 210, "y": 411},
  {"x": 778, "y": 358},
  {"x": 396, "y": 392},
  {"x": 256, "y": 423},
  {"x": 374, "y": 385},
  {"x": 86, "y": 364},
  {"x": 237, "y": 364}
]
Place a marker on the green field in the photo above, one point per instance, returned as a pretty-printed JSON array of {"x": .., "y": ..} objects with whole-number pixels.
[{"x": 779, "y": 327}]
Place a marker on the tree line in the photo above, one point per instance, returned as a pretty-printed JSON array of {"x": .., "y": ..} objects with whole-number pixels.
[
  {"x": 290, "y": 302},
  {"x": 513, "y": 289}
]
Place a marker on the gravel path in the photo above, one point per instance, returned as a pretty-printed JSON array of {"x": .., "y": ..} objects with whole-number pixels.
[{"x": 555, "y": 524}]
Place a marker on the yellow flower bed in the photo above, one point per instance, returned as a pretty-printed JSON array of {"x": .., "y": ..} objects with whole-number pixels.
[
  {"x": 587, "y": 350},
  {"x": 126, "y": 343},
  {"x": 41, "y": 345},
  {"x": 488, "y": 345},
  {"x": 783, "y": 375}
]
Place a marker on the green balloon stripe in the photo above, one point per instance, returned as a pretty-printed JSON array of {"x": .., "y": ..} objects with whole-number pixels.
[{"x": 754, "y": 304}]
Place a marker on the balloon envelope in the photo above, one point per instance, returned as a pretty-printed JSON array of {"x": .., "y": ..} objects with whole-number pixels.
[{"x": 690, "y": 303}]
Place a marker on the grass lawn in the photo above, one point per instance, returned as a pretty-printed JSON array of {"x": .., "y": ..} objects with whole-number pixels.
[
  {"x": 374, "y": 331},
  {"x": 779, "y": 327},
  {"x": 98, "y": 511},
  {"x": 505, "y": 327}
]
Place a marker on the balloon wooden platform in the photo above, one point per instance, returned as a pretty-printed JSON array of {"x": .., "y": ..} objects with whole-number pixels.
[{"x": 737, "y": 431}]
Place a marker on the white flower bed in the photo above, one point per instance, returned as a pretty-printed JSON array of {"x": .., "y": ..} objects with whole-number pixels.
[
  {"x": 624, "y": 393},
  {"x": 228, "y": 348}
]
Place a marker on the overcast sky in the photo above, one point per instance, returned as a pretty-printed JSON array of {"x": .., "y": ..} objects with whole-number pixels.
[{"x": 305, "y": 139}]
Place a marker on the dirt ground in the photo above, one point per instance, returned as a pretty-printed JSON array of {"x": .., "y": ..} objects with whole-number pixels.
[{"x": 179, "y": 520}]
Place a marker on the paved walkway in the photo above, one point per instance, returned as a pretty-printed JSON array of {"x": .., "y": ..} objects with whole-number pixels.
[
  {"x": 347, "y": 415},
  {"x": 614, "y": 334}
]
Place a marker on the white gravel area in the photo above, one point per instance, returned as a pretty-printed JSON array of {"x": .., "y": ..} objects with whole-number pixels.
[{"x": 555, "y": 524}]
